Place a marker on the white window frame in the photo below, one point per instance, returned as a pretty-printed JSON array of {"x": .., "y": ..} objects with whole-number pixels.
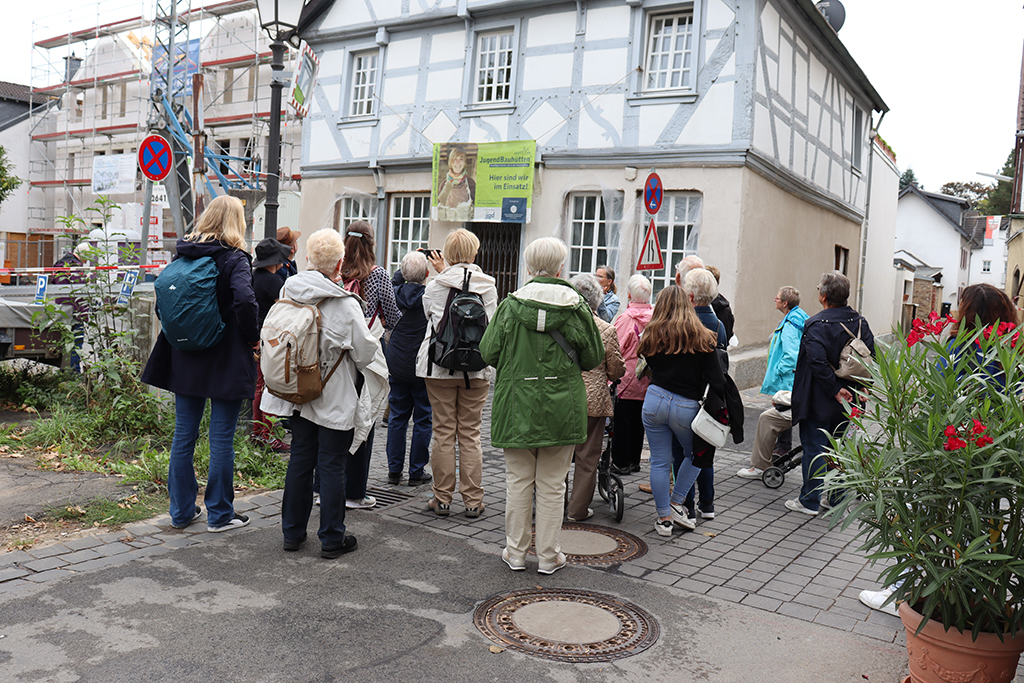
[
  {"x": 594, "y": 232},
  {"x": 857, "y": 159},
  {"x": 492, "y": 66},
  {"x": 667, "y": 222},
  {"x": 353, "y": 53},
  {"x": 363, "y": 83},
  {"x": 644, "y": 18},
  {"x": 408, "y": 226},
  {"x": 986, "y": 266},
  {"x": 667, "y": 69},
  {"x": 472, "y": 104}
]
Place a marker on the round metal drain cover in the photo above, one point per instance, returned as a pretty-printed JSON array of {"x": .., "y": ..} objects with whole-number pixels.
[
  {"x": 598, "y": 546},
  {"x": 567, "y": 625}
]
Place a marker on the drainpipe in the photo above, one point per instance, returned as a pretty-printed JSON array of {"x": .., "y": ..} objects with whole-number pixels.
[{"x": 867, "y": 210}]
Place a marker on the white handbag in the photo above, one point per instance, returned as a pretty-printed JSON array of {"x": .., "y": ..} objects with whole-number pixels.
[{"x": 708, "y": 428}]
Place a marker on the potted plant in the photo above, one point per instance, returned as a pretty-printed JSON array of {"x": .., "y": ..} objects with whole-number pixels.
[{"x": 933, "y": 475}]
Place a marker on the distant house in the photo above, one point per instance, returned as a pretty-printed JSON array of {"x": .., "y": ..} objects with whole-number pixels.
[
  {"x": 15, "y": 102},
  {"x": 988, "y": 256},
  {"x": 931, "y": 227}
]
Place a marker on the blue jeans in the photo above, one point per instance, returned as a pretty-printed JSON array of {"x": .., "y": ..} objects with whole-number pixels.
[
  {"x": 667, "y": 418},
  {"x": 327, "y": 450},
  {"x": 409, "y": 399},
  {"x": 814, "y": 437},
  {"x": 181, "y": 476}
]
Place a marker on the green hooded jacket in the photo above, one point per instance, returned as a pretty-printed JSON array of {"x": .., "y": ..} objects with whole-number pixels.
[{"x": 539, "y": 396}]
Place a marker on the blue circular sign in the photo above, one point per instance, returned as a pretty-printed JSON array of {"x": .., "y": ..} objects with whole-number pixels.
[
  {"x": 155, "y": 157},
  {"x": 653, "y": 194}
]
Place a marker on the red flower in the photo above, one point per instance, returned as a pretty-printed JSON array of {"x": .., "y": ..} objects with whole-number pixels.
[
  {"x": 855, "y": 411},
  {"x": 1005, "y": 327},
  {"x": 983, "y": 441},
  {"x": 950, "y": 431},
  {"x": 978, "y": 428},
  {"x": 953, "y": 444},
  {"x": 988, "y": 331},
  {"x": 950, "y": 319},
  {"x": 914, "y": 337},
  {"x": 933, "y": 316}
]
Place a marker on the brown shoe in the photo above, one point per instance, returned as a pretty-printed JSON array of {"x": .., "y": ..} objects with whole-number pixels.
[
  {"x": 645, "y": 487},
  {"x": 438, "y": 508}
]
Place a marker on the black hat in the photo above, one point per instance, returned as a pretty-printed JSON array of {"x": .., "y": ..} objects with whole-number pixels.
[{"x": 270, "y": 252}]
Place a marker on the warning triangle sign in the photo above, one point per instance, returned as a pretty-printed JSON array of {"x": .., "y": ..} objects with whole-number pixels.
[{"x": 650, "y": 254}]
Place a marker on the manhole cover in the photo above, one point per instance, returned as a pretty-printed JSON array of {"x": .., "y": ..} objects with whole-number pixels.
[
  {"x": 386, "y": 497},
  {"x": 598, "y": 546},
  {"x": 567, "y": 625}
]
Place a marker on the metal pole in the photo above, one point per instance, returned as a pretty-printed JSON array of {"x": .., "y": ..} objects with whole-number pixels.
[
  {"x": 147, "y": 210},
  {"x": 274, "y": 147},
  {"x": 198, "y": 142}
]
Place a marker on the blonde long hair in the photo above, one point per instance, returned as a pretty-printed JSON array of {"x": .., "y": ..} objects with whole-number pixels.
[
  {"x": 222, "y": 221},
  {"x": 675, "y": 327}
]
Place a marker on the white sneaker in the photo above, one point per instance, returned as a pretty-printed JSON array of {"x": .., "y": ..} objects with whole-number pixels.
[
  {"x": 559, "y": 563},
  {"x": 316, "y": 499},
  {"x": 365, "y": 504},
  {"x": 590, "y": 513},
  {"x": 681, "y": 518},
  {"x": 874, "y": 600},
  {"x": 796, "y": 506},
  {"x": 663, "y": 527},
  {"x": 750, "y": 473},
  {"x": 514, "y": 565}
]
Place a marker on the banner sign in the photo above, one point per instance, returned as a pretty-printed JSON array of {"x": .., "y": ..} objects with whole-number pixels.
[
  {"x": 186, "y": 63},
  {"x": 304, "y": 81},
  {"x": 488, "y": 182},
  {"x": 113, "y": 174}
]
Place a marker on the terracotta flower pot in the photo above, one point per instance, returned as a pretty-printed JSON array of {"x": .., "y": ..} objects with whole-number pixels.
[{"x": 941, "y": 656}]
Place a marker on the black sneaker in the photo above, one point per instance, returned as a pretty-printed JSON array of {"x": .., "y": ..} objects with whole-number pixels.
[
  {"x": 424, "y": 478},
  {"x": 394, "y": 479},
  {"x": 236, "y": 522},
  {"x": 615, "y": 469},
  {"x": 196, "y": 515},
  {"x": 347, "y": 546},
  {"x": 292, "y": 546}
]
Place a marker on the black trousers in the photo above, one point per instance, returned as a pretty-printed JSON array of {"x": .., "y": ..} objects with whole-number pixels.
[
  {"x": 628, "y": 440},
  {"x": 326, "y": 450}
]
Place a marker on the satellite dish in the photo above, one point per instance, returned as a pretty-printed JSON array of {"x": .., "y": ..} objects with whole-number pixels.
[{"x": 834, "y": 12}]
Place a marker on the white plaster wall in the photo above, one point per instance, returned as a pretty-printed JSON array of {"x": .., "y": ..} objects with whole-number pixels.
[
  {"x": 932, "y": 239},
  {"x": 14, "y": 210},
  {"x": 995, "y": 252},
  {"x": 876, "y": 301}
]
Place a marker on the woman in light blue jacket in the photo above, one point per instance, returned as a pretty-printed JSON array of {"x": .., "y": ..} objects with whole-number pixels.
[{"x": 782, "y": 353}]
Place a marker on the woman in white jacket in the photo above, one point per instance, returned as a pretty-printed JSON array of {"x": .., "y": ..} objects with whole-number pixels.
[
  {"x": 326, "y": 430},
  {"x": 457, "y": 409}
]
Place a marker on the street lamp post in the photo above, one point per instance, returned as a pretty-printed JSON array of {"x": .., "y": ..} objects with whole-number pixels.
[{"x": 279, "y": 19}]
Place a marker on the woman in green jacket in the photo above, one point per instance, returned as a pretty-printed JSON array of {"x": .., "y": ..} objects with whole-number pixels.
[{"x": 540, "y": 340}]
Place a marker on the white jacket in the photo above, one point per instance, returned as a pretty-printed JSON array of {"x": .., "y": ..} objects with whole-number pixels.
[
  {"x": 435, "y": 297},
  {"x": 343, "y": 328}
]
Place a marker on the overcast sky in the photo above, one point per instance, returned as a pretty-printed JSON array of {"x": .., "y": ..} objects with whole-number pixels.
[{"x": 949, "y": 72}]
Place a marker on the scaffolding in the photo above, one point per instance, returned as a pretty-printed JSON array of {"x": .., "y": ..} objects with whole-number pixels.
[{"x": 99, "y": 64}]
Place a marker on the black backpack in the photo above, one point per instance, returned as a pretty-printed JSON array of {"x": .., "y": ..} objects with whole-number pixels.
[{"x": 455, "y": 343}]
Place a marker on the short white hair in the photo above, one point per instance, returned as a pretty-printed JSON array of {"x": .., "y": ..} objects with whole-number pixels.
[
  {"x": 588, "y": 287},
  {"x": 545, "y": 256},
  {"x": 324, "y": 249},
  {"x": 700, "y": 283},
  {"x": 688, "y": 263},
  {"x": 639, "y": 289},
  {"x": 414, "y": 267}
]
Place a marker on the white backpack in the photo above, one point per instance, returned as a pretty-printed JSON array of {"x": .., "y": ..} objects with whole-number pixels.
[{"x": 290, "y": 351}]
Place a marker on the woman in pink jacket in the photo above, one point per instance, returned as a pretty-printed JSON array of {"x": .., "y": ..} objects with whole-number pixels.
[{"x": 628, "y": 439}]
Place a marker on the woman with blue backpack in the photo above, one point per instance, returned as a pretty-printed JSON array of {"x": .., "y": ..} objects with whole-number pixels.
[{"x": 207, "y": 309}]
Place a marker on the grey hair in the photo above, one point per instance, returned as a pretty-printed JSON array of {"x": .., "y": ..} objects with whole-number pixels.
[
  {"x": 588, "y": 287},
  {"x": 835, "y": 287},
  {"x": 687, "y": 264},
  {"x": 414, "y": 267},
  {"x": 545, "y": 256},
  {"x": 639, "y": 289},
  {"x": 701, "y": 284},
  {"x": 790, "y": 296},
  {"x": 324, "y": 249}
]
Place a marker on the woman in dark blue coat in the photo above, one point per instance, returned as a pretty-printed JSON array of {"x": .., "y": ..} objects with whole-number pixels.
[{"x": 224, "y": 373}]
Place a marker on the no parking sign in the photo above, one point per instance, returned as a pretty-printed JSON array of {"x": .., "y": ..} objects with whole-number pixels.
[{"x": 155, "y": 157}]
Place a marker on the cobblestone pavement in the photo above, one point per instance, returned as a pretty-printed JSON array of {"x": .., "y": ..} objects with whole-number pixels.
[{"x": 754, "y": 553}]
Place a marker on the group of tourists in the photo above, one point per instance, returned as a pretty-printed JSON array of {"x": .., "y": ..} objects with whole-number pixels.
[{"x": 564, "y": 357}]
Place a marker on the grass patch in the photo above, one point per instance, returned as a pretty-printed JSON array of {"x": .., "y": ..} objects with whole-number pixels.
[{"x": 109, "y": 513}]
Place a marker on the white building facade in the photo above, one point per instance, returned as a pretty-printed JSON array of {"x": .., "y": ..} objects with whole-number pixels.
[{"x": 752, "y": 112}]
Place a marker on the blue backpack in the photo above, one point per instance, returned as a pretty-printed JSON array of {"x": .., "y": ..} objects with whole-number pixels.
[{"x": 186, "y": 302}]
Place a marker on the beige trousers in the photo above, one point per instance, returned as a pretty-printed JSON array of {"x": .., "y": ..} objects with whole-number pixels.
[
  {"x": 588, "y": 454},
  {"x": 769, "y": 425},
  {"x": 539, "y": 471},
  {"x": 456, "y": 418}
]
